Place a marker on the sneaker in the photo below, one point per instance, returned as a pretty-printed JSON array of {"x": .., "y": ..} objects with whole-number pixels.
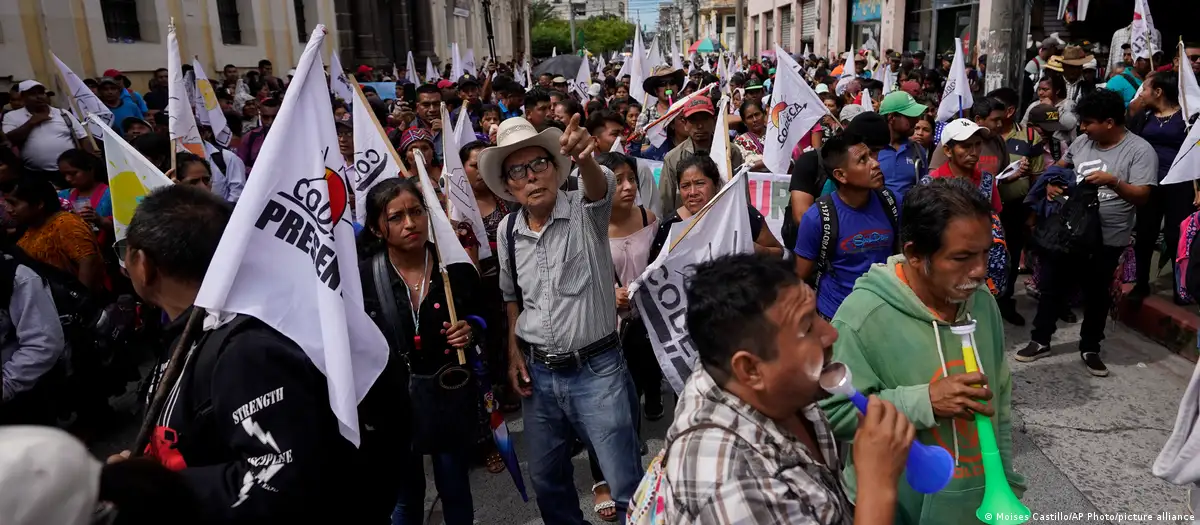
[
  {"x": 1093, "y": 363},
  {"x": 1032, "y": 352}
]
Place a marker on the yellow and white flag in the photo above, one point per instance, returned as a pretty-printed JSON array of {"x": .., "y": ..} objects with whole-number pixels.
[
  {"x": 86, "y": 102},
  {"x": 288, "y": 257},
  {"x": 216, "y": 118},
  {"x": 185, "y": 135},
  {"x": 131, "y": 176}
]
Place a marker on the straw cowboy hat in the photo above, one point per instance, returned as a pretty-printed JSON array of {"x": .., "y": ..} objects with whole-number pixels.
[
  {"x": 659, "y": 75},
  {"x": 514, "y": 134},
  {"x": 1074, "y": 56}
]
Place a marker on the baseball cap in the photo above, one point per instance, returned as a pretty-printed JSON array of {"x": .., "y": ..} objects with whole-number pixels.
[
  {"x": 821, "y": 88},
  {"x": 698, "y": 105},
  {"x": 850, "y": 111},
  {"x": 48, "y": 477},
  {"x": 869, "y": 125},
  {"x": 364, "y": 69},
  {"x": 443, "y": 84},
  {"x": 559, "y": 80},
  {"x": 28, "y": 85},
  {"x": 902, "y": 103},
  {"x": 961, "y": 129},
  {"x": 112, "y": 73},
  {"x": 467, "y": 80},
  {"x": 129, "y": 121},
  {"x": 107, "y": 80},
  {"x": 594, "y": 90},
  {"x": 1045, "y": 116}
]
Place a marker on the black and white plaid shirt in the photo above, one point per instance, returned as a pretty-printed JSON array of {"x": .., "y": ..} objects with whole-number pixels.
[{"x": 762, "y": 475}]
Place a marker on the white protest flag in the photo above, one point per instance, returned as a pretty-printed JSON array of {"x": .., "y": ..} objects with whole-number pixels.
[
  {"x": 469, "y": 62},
  {"x": 626, "y": 67},
  {"x": 637, "y": 71},
  {"x": 1141, "y": 33},
  {"x": 866, "y": 100},
  {"x": 721, "y": 228},
  {"x": 1186, "y": 166},
  {"x": 676, "y": 55},
  {"x": 848, "y": 69},
  {"x": 86, "y": 102},
  {"x": 189, "y": 81},
  {"x": 130, "y": 177},
  {"x": 583, "y": 79},
  {"x": 600, "y": 63},
  {"x": 618, "y": 146},
  {"x": 431, "y": 73},
  {"x": 720, "y": 150},
  {"x": 654, "y": 59},
  {"x": 528, "y": 77},
  {"x": 806, "y": 51},
  {"x": 441, "y": 232},
  {"x": 410, "y": 70},
  {"x": 957, "y": 95},
  {"x": 461, "y": 198},
  {"x": 288, "y": 256},
  {"x": 339, "y": 84},
  {"x": 1189, "y": 90},
  {"x": 456, "y": 63},
  {"x": 216, "y": 118},
  {"x": 375, "y": 159},
  {"x": 182, "y": 124},
  {"x": 794, "y": 109},
  {"x": 554, "y": 52}
]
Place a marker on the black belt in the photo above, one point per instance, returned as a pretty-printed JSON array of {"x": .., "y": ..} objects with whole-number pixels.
[{"x": 575, "y": 359}]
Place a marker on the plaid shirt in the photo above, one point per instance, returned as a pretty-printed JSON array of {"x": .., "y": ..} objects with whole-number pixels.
[{"x": 761, "y": 475}]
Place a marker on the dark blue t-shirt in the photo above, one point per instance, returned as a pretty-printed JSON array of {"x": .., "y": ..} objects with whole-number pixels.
[{"x": 865, "y": 237}]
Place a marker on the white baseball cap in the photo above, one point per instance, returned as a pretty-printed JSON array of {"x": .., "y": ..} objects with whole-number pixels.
[
  {"x": 594, "y": 90},
  {"x": 821, "y": 88},
  {"x": 46, "y": 476},
  {"x": 962, "y": 129},
  {"x": 27, "y": 85}
]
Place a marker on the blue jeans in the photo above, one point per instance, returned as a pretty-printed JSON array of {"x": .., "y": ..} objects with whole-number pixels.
[
  {"x": 593, "y": 403},
  {"x": 452, "y": 479}
]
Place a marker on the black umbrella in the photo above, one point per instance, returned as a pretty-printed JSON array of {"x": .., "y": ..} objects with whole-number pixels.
[{"x": 561, "y": 65}]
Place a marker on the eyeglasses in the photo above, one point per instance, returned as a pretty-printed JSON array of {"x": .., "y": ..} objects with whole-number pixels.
[
  {"x": 1194, "y": 58},
  {"x": 521, "y": 171}
]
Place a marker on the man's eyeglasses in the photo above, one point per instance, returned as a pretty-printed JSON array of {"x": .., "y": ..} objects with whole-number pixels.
[
  {"x": 521, "y": 171},
  {"x": 1194, "y": 58}
]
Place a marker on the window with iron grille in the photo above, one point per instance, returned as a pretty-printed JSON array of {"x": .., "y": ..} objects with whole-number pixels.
[
  {"x": 231, "y": 27},
  {"x": 301, "y": 25},
  {"x": 120, "y": 20}
]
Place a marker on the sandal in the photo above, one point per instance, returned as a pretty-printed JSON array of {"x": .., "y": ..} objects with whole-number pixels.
[
  {"x": 606, "y": 509},
  {"x": 495, "y": 463}
]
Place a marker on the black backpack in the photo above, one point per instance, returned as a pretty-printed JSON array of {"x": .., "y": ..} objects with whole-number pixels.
[
  {"x": 78, "y": 309},
  {"x": 1075, "y": 229},
  {"x": 829, "y": 229}
]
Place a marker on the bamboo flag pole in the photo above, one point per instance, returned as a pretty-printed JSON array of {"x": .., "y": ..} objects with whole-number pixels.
[
  {"x": 462, "y": 358},
  {"x": 60, "y": 81},
  {"x": 362, "y": 99}
]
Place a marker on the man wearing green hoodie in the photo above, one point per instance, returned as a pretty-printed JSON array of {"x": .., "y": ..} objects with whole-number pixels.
[{"x": 894, "y": 335}]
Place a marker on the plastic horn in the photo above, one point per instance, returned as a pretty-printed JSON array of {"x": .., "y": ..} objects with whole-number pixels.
[
  {"x": 929, "y": 468},
  {"x": 1000, "y": 506},
  {"x": 670, "y": 100}
]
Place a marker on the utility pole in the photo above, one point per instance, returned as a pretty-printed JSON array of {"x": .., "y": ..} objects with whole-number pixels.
[
  {"x": 571, "y": 6},
  {"x": 1005, "y": 46},
  {"x": 739, "y": 26}
]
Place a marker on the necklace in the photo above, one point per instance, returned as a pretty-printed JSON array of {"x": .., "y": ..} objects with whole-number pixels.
[
  {"x": 1162, "y": 121},
  {"x": 415, "y": 309}
]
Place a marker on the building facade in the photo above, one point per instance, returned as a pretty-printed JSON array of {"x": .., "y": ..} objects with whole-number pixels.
[{"x": 92, "y": 36}]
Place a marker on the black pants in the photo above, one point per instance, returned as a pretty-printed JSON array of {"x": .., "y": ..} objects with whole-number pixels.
[
  {"x": 1093, "y": 273},
  {"x": 1173, "y": 203},
  {"x": 1014, "y": 217}
]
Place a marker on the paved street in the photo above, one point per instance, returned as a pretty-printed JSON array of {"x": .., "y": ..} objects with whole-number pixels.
[{"x": 1085, "y": 444}]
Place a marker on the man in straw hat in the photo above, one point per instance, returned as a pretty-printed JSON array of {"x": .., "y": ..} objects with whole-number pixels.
[
  {"x": 564, "y": 354},
  {"x": 661, "y": 79},
  {"x": 1073, "y": 59}
]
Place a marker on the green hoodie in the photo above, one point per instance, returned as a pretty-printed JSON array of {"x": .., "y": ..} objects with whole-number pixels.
[{"x": 889, "y": 340}]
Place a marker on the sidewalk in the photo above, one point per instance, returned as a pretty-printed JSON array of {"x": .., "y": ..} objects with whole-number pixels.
[{"x": 1161, "y": 320}]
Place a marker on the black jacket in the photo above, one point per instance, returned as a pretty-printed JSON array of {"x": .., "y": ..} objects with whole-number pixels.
[{"x": 250, "y": 428}]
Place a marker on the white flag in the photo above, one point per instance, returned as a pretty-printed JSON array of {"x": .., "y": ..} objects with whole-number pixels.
[
  {"x": 182, "y": 125},
  {"x": 410, "y": 70},
  {"x": 637, "y": 72},
  {"x": 600, "y": 63},
  {"x": 723, "y": 229},
  {"x": 957, "y": 95},
  {"x": 216, "y": 118},
  {"x": 848, "y": 69},
  {"x": 374, "y": 158},
  {"x": 528, "y": 77},
  {"x": 806, "y": 51},
  {"x": 456, "y": 63},
  {"x": 867, "y": 103},
  {"x": 676, "y": 56},
  {"x": 1141, "y": 34},
  {"x": 554, "y": 52},
  {"x": 617, "y": 146},
  {"x": 794, "y": 109},
  {"x": 1186, "y": 166},
  {"x": 626, "y": 67},
  {"x": 441, "y": 232},
  {"x": 197, "y": 100},
  {"x": 85, "y": 101},
  {"x": 130, "y": 177},
  {"x": 469, "y": 62},
  {"x": 583, "y": 79},
  {"x": 288, "y": 256},
  {"x": 461, "y": 198},
  {"x": 338, "y": 83},
  {"x": 1189, "y": 91},
  {"x": 720, "y": 152},
  {"x": 431, "y": 73}
]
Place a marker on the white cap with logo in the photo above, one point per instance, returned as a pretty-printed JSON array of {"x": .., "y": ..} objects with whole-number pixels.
[{"x": 961, "y": 129}]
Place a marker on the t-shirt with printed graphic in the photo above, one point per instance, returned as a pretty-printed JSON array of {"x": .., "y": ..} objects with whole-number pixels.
[
  {"x": 865, "y": 237},
  {"x": 1132, "y": 161}
]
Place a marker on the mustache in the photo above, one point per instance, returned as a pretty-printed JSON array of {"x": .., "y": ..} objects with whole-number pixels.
[{"x": 969, "y": 286}]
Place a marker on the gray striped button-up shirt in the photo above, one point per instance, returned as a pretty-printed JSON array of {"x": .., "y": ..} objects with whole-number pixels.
[{"x": 565, "y": 273}]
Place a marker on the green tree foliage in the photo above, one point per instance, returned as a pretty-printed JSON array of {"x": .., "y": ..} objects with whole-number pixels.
[
  {"x": 548, "y": 35},
  {"x": 600, "y": 34},
  {"x": 606, "y": 33},
  {"x": 540, "y": 12}
]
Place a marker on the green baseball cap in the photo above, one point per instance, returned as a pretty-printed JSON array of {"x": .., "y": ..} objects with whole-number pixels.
[{"x": 903, "y": 103}]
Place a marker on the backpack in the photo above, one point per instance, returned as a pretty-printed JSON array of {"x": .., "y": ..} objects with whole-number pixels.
[
  {"x": 649, "y": 503},
  {"x": 1187, "y": 270},
  {"x": 1075, "y": 229},
  {"x": 829, "y": 229},
  {"x": 78, "y": 309}
]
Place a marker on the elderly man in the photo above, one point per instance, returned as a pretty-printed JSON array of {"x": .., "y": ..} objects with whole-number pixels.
[
  {"x": 555, "y": 275},
  {"x": 895, "y": 336}
]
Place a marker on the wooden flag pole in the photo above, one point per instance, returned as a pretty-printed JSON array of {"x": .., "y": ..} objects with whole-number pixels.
[
  {"x": 167, "y": 382},
  {"x": 462, "y": 358}
]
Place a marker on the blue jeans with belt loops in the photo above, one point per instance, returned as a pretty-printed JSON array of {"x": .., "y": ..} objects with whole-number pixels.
[{"x": 592, "y": 402}]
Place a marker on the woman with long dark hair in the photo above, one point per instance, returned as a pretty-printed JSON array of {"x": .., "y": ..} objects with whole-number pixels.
[
  {"x": 52, "y": 235},
  {"x": 396, "y": 242},
  {"x": 750, "y": 143}
]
